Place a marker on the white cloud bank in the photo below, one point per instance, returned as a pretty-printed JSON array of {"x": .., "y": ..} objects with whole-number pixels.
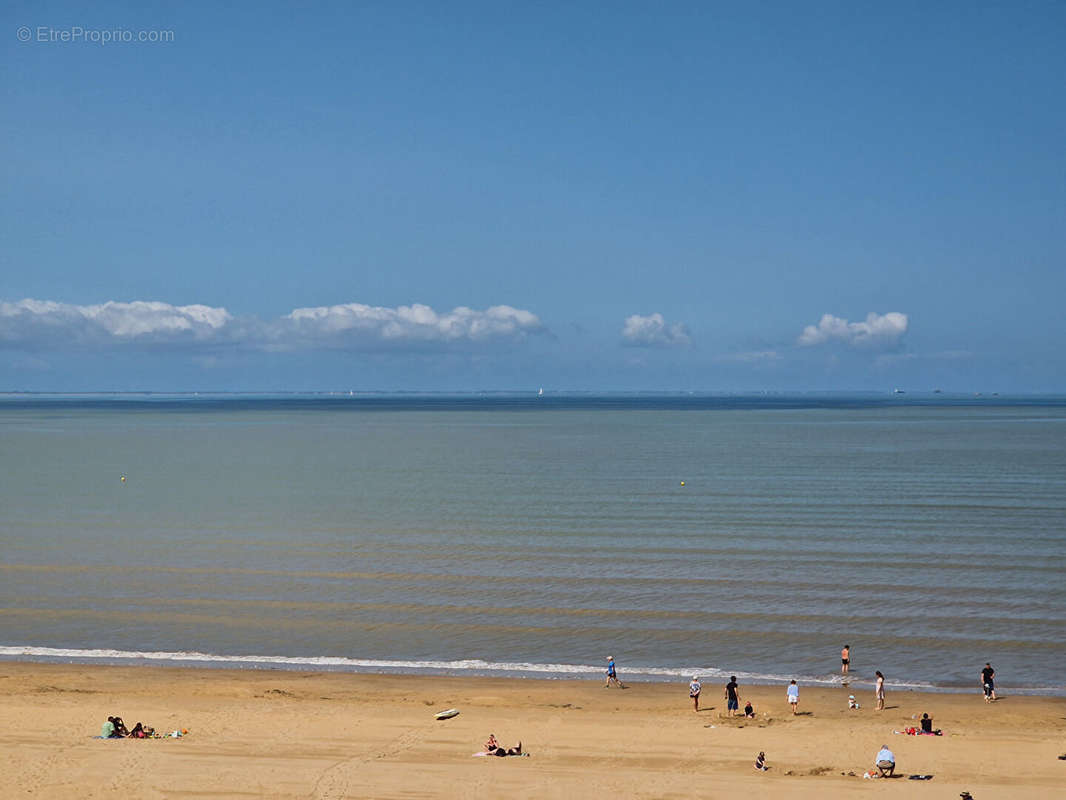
[
  {"x": 43, "y": 324},
  {"x": 878, "y": 330},
  {"x": 414, "y": 323},
  {"x": 652, "y": 331}
]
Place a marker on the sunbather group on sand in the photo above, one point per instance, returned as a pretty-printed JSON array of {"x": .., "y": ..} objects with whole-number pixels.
[{"x": 115, "y": 728}]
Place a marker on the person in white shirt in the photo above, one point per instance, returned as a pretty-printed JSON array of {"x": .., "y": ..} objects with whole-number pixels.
[
  {"x": 694, "y": 690},
  {"x": 885, "y": 761}
]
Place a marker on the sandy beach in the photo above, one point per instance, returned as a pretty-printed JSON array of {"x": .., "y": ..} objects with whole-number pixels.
[{"x": 282, "y": 734}]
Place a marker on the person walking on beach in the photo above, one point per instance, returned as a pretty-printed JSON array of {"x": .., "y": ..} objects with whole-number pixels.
[
  {"x": 612, "y": 675},
  {"x": 694, "y": 690},
  {"x": 793, "y": 696},
  {"x": 845, "y": 659},
  {"x": 880, "y": 690},
  {"x": 732, "y": 698},
  {"x": 988, "y": 683}
]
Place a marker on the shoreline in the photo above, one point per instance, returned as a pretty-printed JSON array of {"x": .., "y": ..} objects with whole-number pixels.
[
  {"x": 301, "y": 733},
  {"x": 472, "y": 668}
]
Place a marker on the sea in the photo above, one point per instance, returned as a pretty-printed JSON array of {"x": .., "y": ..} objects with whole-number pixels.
[{"x": 524, "y": 536}]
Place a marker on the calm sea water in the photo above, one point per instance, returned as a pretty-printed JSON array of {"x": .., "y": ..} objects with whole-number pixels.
[{"x": 506, "y": 535}]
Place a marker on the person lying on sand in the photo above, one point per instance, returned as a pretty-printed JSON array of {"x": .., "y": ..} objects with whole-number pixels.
[
  {"x": 511, "y": 751},
  {"x": 492, "y": 748}
]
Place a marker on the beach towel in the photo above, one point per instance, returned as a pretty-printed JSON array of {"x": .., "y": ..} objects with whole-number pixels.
[{"x": 919, "y": 777}]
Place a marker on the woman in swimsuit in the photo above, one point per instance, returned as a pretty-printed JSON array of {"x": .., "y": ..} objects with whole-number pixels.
[{"x": 880, "y": 690}]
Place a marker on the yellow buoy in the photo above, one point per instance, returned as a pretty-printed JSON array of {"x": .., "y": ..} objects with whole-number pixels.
[
  {"x": 682, "y": 482},
  {"x": 123, "y": 479}
]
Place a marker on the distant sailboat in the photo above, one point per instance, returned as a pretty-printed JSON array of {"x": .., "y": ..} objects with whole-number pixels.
[{"x": 540, "y": 392}]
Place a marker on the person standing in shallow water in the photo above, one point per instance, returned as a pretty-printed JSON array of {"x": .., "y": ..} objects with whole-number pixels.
[
  {"x": 880, "y": 691},
  {"x": 845, "y": 659}
]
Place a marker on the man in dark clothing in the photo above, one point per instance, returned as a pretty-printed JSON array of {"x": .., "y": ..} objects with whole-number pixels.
[
  {"x": 732, "y": 698},
  {"x": 987, "y": 681}
]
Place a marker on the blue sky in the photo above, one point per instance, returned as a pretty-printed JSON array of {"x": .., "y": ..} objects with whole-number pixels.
[{"x": 456, "y": 196}]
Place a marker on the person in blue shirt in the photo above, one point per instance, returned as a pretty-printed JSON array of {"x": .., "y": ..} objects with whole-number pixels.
[{"x": 612, "y": 675}]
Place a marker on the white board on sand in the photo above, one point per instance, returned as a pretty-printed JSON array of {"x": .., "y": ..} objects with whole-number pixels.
[{"x": 451, "y": 712}]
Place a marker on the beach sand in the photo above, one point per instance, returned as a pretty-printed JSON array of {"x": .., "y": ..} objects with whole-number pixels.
[{"x": 281, "y": 734}]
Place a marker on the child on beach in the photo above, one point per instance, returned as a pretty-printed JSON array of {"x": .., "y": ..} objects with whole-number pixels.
[
  {"x": 749, "y": 712},
  {"x": 760, "y": 762},
  {"x": 793, "y": 696},
  {"x": 612, "y": 675},
  {"x": 694, "y": 690},
  {"x": 852, "y": 702}
]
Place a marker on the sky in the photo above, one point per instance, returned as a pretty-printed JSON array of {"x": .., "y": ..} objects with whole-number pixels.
[{"x": 507, "y": 196}]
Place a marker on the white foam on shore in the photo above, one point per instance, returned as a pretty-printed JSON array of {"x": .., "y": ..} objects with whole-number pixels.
[{"x": 476, "y": 666}]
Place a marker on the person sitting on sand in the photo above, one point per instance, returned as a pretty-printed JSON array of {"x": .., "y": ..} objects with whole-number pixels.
[
  {"x": 927, "y": 726},
  {"x": 852, "y": 702},
  {"x": 107, "y": 730},
  {"x": 491, "y": 745},
  {"x": 120, "y": 727},
  {"x": 885, "y": 761},
  {"x": 138, "y": 732},
  {"x": 760, "y": 762},
  {"x": 749, "y": 712}
]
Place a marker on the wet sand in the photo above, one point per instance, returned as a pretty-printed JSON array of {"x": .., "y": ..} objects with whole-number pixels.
[{"x": 281, "y": 734}]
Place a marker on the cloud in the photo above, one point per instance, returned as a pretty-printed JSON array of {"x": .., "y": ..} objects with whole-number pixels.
[
  {"x": 891, "y": 359},
  {"x": 750, "y": 357},
  {"x": 44, "y": 325},
  {"x": 652, "y": 331},
  {"x": 878, "y": 330},
  {"x": 358, "y": 324}
]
